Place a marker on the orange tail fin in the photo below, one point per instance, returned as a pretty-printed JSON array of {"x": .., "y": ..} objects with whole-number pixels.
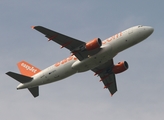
[{"x": 27, "y": 69}]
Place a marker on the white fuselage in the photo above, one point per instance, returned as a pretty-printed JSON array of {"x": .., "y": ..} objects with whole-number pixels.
[{"x": 71, "y": 65}]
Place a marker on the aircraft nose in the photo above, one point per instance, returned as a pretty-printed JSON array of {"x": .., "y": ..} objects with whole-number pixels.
[{"x": 149, "y": 30}]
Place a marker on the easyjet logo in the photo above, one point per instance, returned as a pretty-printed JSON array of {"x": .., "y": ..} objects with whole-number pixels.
[
  {"x": 66, "y": 60},
  {"x": 112, "y": 38},
  {"x": 27, "y": 67}
]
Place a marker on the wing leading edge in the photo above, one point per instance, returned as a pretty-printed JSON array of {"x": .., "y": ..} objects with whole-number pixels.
[{"x": 106, "y": 75}]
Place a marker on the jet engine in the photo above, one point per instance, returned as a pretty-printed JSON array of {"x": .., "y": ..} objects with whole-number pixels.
[
  {"x": 93, "y": 44},
  {"x": 120, "y": 67}
]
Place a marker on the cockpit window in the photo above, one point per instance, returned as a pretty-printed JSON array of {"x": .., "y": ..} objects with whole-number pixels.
[{"x": 140, "y": 26}]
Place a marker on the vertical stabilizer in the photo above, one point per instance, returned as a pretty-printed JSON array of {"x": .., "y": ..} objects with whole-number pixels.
[{"x": 27, "y": 69}]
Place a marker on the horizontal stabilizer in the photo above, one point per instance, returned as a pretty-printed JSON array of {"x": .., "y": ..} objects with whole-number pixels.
[
  {"x": 34, "y": 91},
  {"x": 20, "y": 78}
]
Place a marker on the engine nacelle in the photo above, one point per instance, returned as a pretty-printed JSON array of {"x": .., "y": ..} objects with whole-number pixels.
[
  {"x": 120, "y": 67},
  {"x": 93, "y": 44}
]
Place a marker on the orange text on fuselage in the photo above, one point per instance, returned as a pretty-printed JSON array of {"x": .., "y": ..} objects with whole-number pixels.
[
  {"x": 65, "y": 61},
  {"x": 112, "y": 38}
]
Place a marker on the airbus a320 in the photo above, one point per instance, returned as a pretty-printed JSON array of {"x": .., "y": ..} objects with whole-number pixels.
[{"x": 95, "y": 55}]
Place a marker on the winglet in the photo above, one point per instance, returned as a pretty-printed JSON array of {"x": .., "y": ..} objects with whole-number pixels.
[{"x": 32, "y": 27}]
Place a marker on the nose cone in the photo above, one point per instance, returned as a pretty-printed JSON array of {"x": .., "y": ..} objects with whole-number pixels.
[
  {"x": 150, "y": 30},
  {"x": 146, "y": 31}
]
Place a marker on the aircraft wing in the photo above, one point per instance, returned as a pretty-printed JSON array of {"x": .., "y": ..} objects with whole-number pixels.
[
  {"x": 74, "y": 45},
  {"x": 106, "y": 75}
]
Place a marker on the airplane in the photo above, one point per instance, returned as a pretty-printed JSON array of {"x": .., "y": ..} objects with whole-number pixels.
[{"x": 95, "y": 55}]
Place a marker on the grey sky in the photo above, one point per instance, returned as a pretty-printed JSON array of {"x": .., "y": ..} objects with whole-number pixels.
[{"x": 82, "y": 97}]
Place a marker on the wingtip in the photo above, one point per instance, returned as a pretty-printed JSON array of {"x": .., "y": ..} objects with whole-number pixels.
[
  {"x": 32, "y": 27},
  {"x": 7, "y": 73}
]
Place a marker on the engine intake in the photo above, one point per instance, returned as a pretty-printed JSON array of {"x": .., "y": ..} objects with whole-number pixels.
[
  {"x": 93, "y": 44},
  {"x": 120, "y": 67}
]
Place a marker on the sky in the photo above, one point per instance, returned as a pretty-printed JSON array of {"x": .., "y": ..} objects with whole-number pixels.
[{"x": 81, "y": 96}]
